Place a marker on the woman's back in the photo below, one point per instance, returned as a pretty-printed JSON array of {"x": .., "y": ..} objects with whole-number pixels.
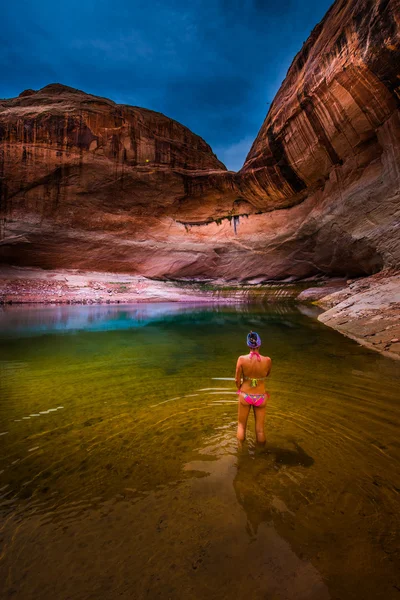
[
  {"x": 255, "y": 365},
  {"x": 255, "y": 369}
]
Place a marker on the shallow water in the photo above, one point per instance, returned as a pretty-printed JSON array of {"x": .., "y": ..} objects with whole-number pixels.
[{"x": 120, "y": 475}]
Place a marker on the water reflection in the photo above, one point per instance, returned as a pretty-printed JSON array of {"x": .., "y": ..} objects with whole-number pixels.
[
  {"x": 36, "y": 320},
  {"x": 249, "y": 547},
  {"x": 256, "y": 468}
]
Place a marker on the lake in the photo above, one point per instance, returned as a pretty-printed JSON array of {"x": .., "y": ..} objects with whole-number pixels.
[{"x": 121, "y": 476}]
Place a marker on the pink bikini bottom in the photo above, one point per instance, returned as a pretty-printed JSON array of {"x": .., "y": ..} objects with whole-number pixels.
[{"x": 254, "y": 399}]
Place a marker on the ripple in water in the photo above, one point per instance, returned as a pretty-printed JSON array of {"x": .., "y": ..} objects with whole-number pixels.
[{"x": 120, "y": 473}]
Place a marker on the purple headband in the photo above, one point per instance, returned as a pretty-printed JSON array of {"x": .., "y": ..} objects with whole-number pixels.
[{"x": 253, "y": 340}]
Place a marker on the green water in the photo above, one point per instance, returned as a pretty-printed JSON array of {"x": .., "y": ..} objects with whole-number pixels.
[{"x": 120, "y": 475}]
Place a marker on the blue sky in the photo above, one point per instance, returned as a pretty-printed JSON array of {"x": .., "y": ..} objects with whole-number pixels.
[{"x": 213, "y": 65}]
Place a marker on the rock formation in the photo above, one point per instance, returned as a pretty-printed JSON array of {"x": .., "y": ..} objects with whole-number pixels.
[
  {"x": 86, "y": 183},
  {"x": 331, "y": 141}
]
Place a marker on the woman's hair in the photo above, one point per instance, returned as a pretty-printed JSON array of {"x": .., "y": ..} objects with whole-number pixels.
[{"x": 253, "y": 340}]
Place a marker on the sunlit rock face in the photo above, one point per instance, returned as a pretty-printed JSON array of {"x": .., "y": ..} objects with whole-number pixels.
[
  {"x": 86, "y": 183},
  {"x": 332, "y": 136}
]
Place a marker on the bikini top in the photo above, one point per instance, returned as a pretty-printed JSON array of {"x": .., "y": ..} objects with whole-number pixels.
[{"x": 254, "y": 380}]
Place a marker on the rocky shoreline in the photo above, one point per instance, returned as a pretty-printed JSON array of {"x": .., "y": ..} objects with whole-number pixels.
[
  {"x": 366, "y": 309},
  {"x": 19, "y": 285},
  {"x": 64, "y": 286}
]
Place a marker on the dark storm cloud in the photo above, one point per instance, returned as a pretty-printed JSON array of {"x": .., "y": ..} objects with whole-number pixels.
[{"x": 213, "y": 65}]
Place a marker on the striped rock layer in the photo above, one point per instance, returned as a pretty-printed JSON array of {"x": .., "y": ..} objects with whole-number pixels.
[{"x": 86, "y": 183}]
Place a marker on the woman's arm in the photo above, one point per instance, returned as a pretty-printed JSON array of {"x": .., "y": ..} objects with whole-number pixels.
[
  {"x": 269, "y": 366},
  {"x": 238, "y": 374}
]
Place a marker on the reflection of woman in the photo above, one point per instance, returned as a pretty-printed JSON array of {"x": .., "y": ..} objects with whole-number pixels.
[{"x": 251, "y": 372}]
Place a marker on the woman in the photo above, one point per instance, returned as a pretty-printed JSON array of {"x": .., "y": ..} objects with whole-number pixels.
[{"x": 251, "y": 372}]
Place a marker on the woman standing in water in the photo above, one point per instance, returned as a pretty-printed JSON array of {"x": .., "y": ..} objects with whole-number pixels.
[{"x": 251, "y": 372}]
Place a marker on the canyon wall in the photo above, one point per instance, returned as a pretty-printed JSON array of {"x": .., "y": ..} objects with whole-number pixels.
[{"x": 86, "y": 183}]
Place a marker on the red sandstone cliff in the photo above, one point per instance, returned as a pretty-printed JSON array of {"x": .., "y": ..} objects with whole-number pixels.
[
  {"x": 331, "y": 141},
  {"x": 86, "y": 183}
]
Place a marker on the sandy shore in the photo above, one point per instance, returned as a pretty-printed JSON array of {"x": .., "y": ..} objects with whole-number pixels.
[
  {"x": 28, "y": 285},
  {"x": 366, "y": 310},
  {"x": 21, "y": 285}
]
